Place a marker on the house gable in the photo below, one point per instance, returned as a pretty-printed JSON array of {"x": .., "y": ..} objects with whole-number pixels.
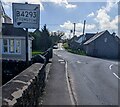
[{"x": 103, "y": 45}]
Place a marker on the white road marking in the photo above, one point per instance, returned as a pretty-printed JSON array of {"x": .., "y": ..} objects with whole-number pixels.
[
  {"x": 73, "y": 100},
  {"x": 59, "y": 55},
  {"x": 116, "y": 75},
  {"x": 60, "y": 60},
  {"x": 78, "y": 62},
  {"x": 110, "y": 67}
]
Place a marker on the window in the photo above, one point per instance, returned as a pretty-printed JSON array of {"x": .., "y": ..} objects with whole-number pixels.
[
  {"x": 5, "y": 45},
  {"x": 11, "y": 46},
  {"x": 105, "y": 40},
  {"x": 17, "y": 46}
]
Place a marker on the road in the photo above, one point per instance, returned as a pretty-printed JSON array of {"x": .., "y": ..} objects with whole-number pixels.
[{"x": 94, "y": 81}]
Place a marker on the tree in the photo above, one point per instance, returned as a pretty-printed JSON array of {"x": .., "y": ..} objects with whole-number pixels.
[
  {"x": 42, "y": 40},
  {"x": 56, "y": 36},
  {"x": 46, "y": 40}
]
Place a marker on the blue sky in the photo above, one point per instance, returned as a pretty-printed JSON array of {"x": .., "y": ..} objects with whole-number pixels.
[
  {"x": 59, "y": 15},
  {"x": 54, "y": 15}
]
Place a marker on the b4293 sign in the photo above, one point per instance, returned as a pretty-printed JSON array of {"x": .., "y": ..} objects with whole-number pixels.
[{"x": 26, "y": 15}]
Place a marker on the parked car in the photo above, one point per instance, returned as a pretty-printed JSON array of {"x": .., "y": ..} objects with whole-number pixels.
[{"x": 55, "y": 47}]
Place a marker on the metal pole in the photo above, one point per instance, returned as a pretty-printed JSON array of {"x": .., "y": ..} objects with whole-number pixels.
[
  {"x": 84, "y": 27},
  {"x": 27, "y": 46},
  {"x": 74, "y": 29}
]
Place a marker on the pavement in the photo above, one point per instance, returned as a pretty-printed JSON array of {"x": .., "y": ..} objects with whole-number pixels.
[{"x": 56, "y": 91}]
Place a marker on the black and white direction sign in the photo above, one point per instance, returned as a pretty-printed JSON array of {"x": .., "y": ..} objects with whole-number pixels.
[{"x": 26, "y": 15}]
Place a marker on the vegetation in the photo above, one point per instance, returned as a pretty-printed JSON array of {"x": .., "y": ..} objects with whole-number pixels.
[
  {"x": 42, "y": 40},
  {"x": 36, "y": 53},
  {"x": 56, "y": 37},
  {"x": 79, "y": 52}
]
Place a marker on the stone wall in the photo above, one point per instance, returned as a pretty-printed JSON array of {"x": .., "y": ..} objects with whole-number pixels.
[{"x": 24, "y": 89}]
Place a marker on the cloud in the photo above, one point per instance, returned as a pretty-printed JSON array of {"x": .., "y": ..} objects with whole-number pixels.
[
  {"x": 71, "y": 6},
  {"x": 79, "y": 26},
  {"x": 104, "y": 20},
  {"x": 91, "y": 15},
  {"x": 8, "y": 3},
  {"x": 110, "y": 4},
  {"x": 63, "y": 3}
]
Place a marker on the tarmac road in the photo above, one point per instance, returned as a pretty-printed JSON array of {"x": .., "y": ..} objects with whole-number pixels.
[{"x": 94, "y": 81}]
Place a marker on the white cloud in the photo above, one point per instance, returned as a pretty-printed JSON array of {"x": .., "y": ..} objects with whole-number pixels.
[
  {"x": 104, "y": 20},
  {"x": 70, "y": 6},
  {"x": 79, "y": 26},
  {"x": 64, "y": 3},
  {"x": 8, "y": 3},
  {"x": 110, "y": 4},
  {"x": 91, "y": 15}
]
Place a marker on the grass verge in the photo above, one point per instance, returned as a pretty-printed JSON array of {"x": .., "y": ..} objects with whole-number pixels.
[
  {"x": 36, "y": 53},
  {"x": 79, "y": 52}
]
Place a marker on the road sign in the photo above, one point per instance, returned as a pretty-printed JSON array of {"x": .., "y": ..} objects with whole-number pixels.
[{"x": 26, "y": 15}]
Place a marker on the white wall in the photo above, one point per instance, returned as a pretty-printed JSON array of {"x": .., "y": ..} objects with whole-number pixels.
[
  {"x": 0, "y": 47},
  {"x": 29, "y": 49}
]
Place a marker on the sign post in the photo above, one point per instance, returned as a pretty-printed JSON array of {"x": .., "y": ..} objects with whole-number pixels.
[
  {"x": 26, "y": 39},
  {"x": 26, "y": 16}
]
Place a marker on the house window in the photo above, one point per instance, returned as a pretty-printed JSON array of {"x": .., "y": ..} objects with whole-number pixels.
[
  {"x": 18, "y": 46},
  {"x": 105, "y": 40},
  {"x": 11, "y": 46},
  {"x": 5, "y": 45}
]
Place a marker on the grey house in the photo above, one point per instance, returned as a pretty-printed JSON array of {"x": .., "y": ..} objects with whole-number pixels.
[
  {"x": 12, "y": 43},
  {"x": 82, "y": 39},
  {"x": 103, "y": 44}
]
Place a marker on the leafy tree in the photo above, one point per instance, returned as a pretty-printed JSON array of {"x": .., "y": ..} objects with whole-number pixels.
[
  {"x": 42, "y": 40},
  {"x": 56, "y": 37}
]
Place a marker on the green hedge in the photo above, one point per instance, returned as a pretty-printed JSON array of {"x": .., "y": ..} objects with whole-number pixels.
[{"x": 79, "y": 52}]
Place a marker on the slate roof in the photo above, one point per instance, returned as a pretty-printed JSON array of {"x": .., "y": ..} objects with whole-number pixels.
[
  {"x": 117, "y": 39},
  {"x": 86, "y": 37},
  {"x": 9, "y": 30},
  {"x": 94, "y": 37}
]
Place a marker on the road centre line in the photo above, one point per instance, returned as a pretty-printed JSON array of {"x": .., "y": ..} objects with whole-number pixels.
[
  {"x": 60, "y": 60},
  {"x": 116, "y": 75},
  {"x": 78, "y": 62},
  {"x": 110, "y": 67},
  {"x": 59, "y": 55}
]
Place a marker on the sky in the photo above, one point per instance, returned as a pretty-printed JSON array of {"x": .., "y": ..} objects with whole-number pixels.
[{"x": 61, "y": 14}]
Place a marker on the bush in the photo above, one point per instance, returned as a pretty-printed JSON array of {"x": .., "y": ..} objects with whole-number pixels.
[
  {"x": 65, "y": 45},
  {"x": 79, "y": 52}
]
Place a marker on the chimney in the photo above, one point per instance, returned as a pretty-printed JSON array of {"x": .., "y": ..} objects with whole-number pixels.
[{"x": 113, "y": 33}]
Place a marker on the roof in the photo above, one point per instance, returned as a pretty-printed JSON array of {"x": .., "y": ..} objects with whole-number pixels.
[
  {"x": 3, "y": 11},
  {"x": 95, "y": 37},
  {"x": 83, "y": 38},
  {"x": 117, "y": 39},
  {"x": 9, "y": 30}
]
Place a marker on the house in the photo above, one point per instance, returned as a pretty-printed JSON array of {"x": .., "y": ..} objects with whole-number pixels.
[
  {"x": 82, "y": 39},
  {"x": 13, "y": 44},
  {"x": 72, "y": 42},
  {"x": 103, "y": 44},
  {"x": 4, "y": 18}
]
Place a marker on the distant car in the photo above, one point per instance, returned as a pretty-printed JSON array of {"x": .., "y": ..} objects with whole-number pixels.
[{"x": 55, "y": 47}]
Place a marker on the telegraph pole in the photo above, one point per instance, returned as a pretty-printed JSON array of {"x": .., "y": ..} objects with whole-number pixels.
[
  {"x": 74, "y": 29},
  {"x": 84, "y": 27}
]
